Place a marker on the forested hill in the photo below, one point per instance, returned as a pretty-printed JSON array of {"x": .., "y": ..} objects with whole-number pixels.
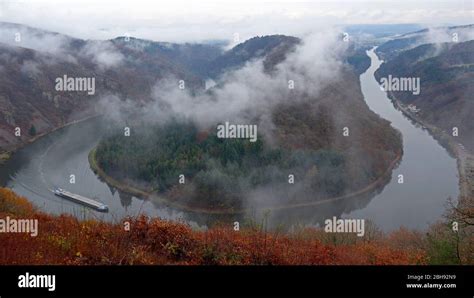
[
  {"x": 126, "y": 67},
  {"x": 227, "y": 174},
  {"x": 446, "y": 73},
  {"x": 392, "y": 48}
]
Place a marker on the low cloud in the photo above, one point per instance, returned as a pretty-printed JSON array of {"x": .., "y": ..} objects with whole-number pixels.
[
  {"x": 59, "y": 47},
  {"x": 20, "y": 36},
  {"x": 249, "y": 93},
  {"x": 180, "y": 21},
  {"x": 102, "y": 53},
  {"x": 30, "y": 68}
]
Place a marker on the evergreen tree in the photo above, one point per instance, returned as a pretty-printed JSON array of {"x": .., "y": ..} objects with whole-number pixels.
[{"x": 32, "y": 131}]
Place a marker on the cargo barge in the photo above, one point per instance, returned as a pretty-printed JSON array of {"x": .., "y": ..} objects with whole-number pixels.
[{"x": 80, "y": 199}]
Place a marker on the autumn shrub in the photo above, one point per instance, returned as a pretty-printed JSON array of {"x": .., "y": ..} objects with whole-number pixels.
[
  {"x": 12, "y": 204},
  {"x": 65, "y": 239},
  {"x": 442, "y": 245}
]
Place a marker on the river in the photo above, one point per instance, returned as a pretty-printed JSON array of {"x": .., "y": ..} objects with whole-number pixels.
[
  {"x": 430, "y": 174},
  {"x": 430, "y": 177}
]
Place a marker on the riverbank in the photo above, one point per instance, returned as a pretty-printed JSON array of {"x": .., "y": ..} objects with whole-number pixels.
[
  {"x": 464, "y": 159},
  {"x": 7, "y": 154},
  {"x": 130, "y": 190}
]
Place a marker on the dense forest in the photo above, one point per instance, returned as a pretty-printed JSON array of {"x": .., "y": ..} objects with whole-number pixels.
[
  {"x": 446, "y": 72},
  {"x": 332, "y": 144},
  {"x": 218, "y": 172}
]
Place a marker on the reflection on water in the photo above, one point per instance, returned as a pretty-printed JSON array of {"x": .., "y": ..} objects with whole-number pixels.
[
  {"x": 430, "y": 177},
  {"x": 50, "y": 161}
]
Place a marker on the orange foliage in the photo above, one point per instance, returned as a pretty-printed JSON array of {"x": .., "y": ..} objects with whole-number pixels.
[{"x": 67, "y": 240}]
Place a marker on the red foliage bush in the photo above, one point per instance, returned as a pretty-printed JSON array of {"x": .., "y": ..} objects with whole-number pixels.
[{"x": 67, "y": 240}]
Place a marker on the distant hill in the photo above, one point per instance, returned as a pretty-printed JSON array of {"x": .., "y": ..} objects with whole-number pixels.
[
  {"x": 193, "y": 57},
  {"x": 382, "y": 30},
  {"x": 31, "y": 60},
  {"x": 128, "y": 68},
  {"x": 357, "y": 58},
  {"x": 273, "y": 47},
  {"x": 31, "y": 64},
  {"x": 392, "y": 48}
]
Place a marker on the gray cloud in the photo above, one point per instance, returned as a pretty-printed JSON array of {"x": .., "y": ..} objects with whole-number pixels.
[
  {"x": 30, "y": 68},
  {"x": 102, "y": 53},
  {"x": 59, "y": 46},
  {"x": 245, "y": 95},
  {"x": 180, "y": 21},
  {"x": 23, "y": 37}
]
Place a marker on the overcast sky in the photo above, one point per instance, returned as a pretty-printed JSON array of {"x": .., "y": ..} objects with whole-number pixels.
[{"x": 198, "y": 20}]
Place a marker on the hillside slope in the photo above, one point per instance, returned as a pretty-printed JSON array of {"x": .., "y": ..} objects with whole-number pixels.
[
  {"x": 68, "y": 241},
  {"x": 398, "y": 44},
  {"x": 30, "y": 66},
  {"x": 446, "y": 73}
]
